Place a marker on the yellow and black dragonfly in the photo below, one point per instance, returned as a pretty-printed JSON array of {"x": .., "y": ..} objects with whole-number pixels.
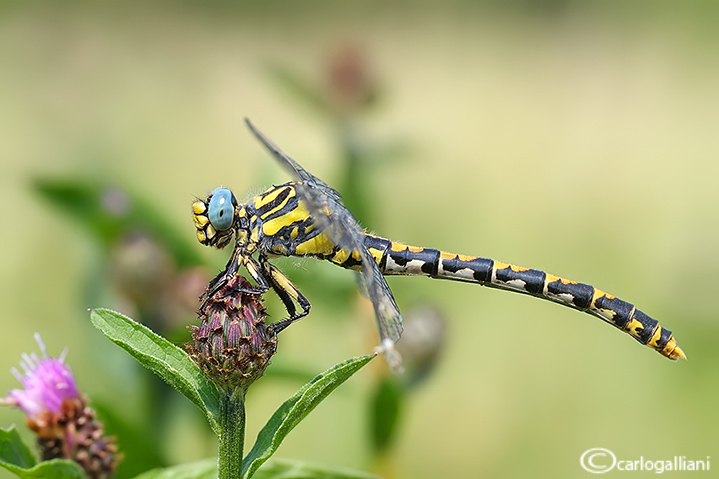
[{"x": 306, "y": 218}]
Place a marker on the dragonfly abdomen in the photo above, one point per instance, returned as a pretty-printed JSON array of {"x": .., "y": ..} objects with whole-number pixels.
[{"x": 396, "y": 258}]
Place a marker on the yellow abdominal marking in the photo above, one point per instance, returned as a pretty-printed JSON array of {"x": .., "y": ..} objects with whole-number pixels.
[
  {"x": 553, "y": 279},
  {"x": 376, "y": 254},
  {"x": 657, "y": 335},
  {"x": 398, "y": 247},
  {"x": 516, "y": 269},
  {"x": 634, "y": 328},
  {"x": 443, "y": 256}
]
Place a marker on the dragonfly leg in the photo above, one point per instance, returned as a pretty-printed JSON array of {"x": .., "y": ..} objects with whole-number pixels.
[
  {"x": 256, "y": 273},
  {"x": 232, "y": 266},
  {"x": 221, "y": 279},
  {"x": 288, "y": 293}
]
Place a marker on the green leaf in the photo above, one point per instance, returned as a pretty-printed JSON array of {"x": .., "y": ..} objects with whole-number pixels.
[
  {"x": 15, "y": 456},
  {"x": 205, "y": 469},
  {"x": 163, "y": 358},
  {"x": 294, "y": 410},
  {"x": 53, "y": 469},
  {"x": 13, "y": 450},
  {"x": 294, "y": 469},
  {"x": 109, "y": 212}
]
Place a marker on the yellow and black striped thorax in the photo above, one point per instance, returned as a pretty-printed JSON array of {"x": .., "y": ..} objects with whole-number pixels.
[{"x": 283, "y": 225}]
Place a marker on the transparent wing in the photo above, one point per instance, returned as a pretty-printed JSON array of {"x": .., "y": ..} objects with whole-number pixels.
[
  {"x": 336, "y": 221},
  {"x": 292, "y": 165}
]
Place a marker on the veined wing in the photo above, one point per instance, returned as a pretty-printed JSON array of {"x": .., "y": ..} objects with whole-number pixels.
[
  {"x": 293, "y": 166},
  {"x": 338, "y": 223}
]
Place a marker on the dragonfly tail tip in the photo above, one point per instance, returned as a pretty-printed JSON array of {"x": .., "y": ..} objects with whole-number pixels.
[{"x": 679, "y": 353}]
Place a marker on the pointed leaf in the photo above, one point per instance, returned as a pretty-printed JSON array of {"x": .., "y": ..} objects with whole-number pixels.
[
  {"x": 295, "y": 409},
  {"x": 53, "y": 469},
  {"x": 205, "y": 469},
  {"x": 162, "y": 357},
  {"x": 15, "y": 456},
  {"x": 107, "y": 212},
  {"x": 13, "y": 450}
]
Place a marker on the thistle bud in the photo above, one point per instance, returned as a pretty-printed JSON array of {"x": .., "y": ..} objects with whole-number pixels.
[
  {"x": 351, "y": 82},
  {"x": 422, "y": 342},
  {"x": 233, "y": 344},
  {"x": 56, "y": 411}
]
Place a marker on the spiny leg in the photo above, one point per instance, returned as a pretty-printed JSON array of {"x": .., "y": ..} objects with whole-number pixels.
[
  {"x": 231, "y": 269},
  {"x": 288, "y": 293},
  {"x": 257, "y": 273},
  {"x": 221, "y": 279}
]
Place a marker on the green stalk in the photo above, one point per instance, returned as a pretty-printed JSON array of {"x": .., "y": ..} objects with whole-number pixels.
[{"x": 232, "y": 435}]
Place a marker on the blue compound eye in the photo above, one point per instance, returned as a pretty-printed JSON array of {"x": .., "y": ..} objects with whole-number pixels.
[{"x": 221, "y": 211}]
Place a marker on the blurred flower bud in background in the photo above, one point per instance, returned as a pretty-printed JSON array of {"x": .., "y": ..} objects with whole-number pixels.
[
  {"x": 422, "y": 342},
  {"x": 350, "y": 81}
]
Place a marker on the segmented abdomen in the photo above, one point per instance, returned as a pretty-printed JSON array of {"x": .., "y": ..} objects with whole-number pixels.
[{"x": 398, "y": 258}]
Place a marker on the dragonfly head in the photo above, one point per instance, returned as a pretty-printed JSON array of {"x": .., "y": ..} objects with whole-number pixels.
[{"x": 216, "y": 218}]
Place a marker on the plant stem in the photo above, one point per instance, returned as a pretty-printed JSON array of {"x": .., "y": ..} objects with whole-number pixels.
[{"x": 232, "y": 435}]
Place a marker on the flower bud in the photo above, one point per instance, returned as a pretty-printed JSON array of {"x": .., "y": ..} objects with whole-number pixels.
[{"x": 233, "y": 344}]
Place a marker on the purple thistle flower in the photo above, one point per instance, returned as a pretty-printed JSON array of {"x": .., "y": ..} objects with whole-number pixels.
[
  {"x": 47, "y": 382},
  {"x": 66, "y": 427}
]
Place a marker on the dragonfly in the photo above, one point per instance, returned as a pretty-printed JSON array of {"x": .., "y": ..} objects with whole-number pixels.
[{"x": 306, "y": 217}]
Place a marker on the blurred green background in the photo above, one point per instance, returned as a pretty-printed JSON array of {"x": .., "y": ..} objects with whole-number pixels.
[{"x": 576, "y": 137}]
